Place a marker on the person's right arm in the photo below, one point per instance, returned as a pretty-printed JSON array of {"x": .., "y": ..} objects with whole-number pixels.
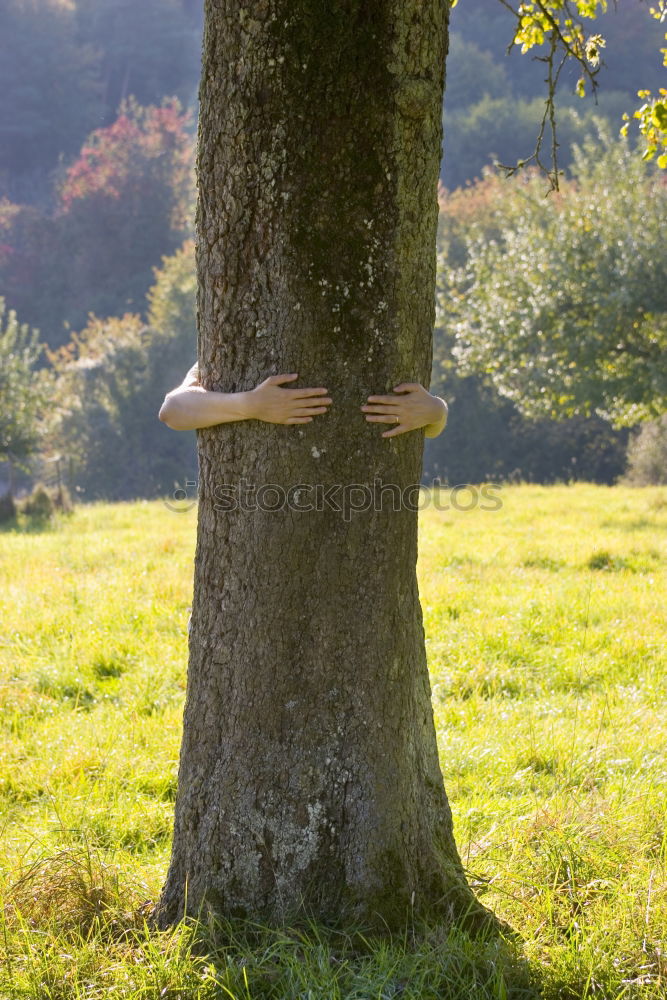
[{"x": 190, "y": 406}]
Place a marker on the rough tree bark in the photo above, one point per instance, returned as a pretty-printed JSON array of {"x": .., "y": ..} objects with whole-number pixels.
[{"x": 309, "y": 779}]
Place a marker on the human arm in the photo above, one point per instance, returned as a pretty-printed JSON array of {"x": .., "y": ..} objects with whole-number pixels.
[
  {"x": 190, "y": 406},
  {"x": 410, "y": 408}
]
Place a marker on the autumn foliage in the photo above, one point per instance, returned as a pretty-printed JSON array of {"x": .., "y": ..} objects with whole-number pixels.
[
  {"x": 142, "y": 148},
  {"x": 125, "y": 202}
]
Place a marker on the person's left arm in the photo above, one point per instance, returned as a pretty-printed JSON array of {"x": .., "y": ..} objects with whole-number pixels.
[{"x": 410, "y": 408}]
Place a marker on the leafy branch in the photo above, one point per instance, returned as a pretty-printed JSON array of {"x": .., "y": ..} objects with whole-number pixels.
[{"x": 559, "y": 25}]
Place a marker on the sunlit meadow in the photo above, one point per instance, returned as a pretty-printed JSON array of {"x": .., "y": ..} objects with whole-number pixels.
[{"x": 545, "y": 630}]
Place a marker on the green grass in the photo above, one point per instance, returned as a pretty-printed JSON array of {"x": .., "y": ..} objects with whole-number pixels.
[{"x": 545, "y": 625}]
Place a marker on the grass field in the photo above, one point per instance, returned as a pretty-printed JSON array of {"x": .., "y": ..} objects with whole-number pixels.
[{"x": 545, "y": 624}]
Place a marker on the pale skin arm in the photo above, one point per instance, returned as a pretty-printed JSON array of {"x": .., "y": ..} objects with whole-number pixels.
[
  {"x": 190, "y": 406},
  {"x": 412, "y": 407}
]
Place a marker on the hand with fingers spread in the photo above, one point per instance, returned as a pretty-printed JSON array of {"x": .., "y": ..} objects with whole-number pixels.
[
  {"x": 411, "y": 408},
  {"x": 270, "y": 402},
  {"x": 189, "y": 406}
]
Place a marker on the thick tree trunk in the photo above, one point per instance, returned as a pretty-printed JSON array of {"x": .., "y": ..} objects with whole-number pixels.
[{"x": 309, "y": 777}]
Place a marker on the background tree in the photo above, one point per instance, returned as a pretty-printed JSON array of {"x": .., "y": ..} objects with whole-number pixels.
[
  {"x": 33, "y": 273},
  {"x": 566, "y": 310},
  {"x": 489, "y": 439},
  {"x": 126, "y": 202},
  {"x": 172, "y": 300},
  {"x": 487, "y": 436},
  {"x": 110, "y": 382},
  {"x": 23, "y": 391},
  {"x": 502, "y": 129},
  {"x": 647, "y": 454},
  {"x": 122, "y": 205}
]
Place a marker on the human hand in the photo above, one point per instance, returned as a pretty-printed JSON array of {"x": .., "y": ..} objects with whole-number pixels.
[
  {"x": 413, "y": 407},
  {"x": 269, "y": 402}
]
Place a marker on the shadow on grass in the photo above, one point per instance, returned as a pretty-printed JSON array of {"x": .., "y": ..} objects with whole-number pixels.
[
  {"x": 80, "y": 917},
  {"x": 311, "y": 959}
]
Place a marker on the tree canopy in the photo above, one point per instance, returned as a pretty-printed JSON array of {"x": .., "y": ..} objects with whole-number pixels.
[
  {"x": 562, "y": 302},
  {"x": 22, "y": 388}
]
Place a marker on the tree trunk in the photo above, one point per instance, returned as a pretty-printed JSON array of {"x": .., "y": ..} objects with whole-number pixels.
[{"x": 309, "y": 779}]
